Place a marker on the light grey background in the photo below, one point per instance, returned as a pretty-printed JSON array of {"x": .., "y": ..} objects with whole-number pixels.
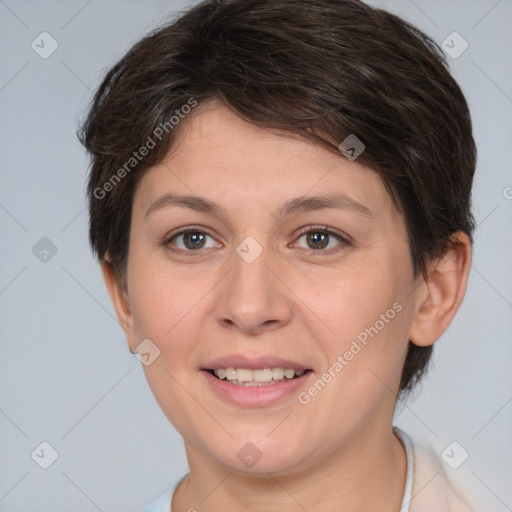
[{"x": 66, "y": 376}]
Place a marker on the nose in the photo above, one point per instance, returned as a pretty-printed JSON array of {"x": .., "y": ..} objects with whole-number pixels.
[{"x": 253, "y": 298}]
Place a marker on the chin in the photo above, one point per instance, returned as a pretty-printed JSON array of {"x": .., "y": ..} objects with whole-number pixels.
[{"x": 258, "y": 456}]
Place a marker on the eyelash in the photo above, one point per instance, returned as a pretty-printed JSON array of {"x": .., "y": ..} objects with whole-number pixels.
[{"x": 310, "y": 229}]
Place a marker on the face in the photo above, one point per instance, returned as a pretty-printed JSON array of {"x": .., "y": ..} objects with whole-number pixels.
[{"x": 291, "y": 257}]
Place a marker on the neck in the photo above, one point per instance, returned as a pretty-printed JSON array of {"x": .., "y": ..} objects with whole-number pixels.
[{"x": 370, "y": 474}]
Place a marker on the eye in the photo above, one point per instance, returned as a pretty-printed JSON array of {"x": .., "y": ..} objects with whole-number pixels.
[
  {"x": 190, "y": 240},
  {"x": 193, "y": 240},
  {"x": 319, "y": 238}
]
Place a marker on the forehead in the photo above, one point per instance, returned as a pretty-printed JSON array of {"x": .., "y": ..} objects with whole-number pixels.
[{"x": 218, "y": 155}]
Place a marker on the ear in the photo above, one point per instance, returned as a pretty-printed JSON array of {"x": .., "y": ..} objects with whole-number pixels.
[
  {"x": 119, "y": 297},
  {"x": 438, "y": 297}
]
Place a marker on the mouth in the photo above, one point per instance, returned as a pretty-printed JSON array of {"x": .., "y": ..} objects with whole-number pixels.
[
  {"x": 256, "y": 387},
  {"x": 260, "y": 381},
  {"x": 249, "y": 377}
]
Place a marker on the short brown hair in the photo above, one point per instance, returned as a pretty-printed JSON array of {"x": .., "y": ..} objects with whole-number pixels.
[{"x": 318, "y": 69}]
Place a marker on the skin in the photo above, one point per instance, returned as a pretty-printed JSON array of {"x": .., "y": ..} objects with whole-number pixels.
[{"x": 294, "y": 301}]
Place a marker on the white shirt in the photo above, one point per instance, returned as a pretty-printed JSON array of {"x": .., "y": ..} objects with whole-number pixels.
[{"x": 427, "y": 487}]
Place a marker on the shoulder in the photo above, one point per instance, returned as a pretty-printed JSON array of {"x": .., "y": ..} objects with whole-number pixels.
[
  {"x": 433, "y": 486},
  {"x": 162, "y": 503}
]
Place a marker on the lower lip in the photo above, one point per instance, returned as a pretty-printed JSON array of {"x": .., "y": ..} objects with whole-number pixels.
[{"x": 256, "y": 396}]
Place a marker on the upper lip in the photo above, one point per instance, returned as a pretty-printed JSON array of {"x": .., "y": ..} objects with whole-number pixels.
[{"x": 239, "y": 361}]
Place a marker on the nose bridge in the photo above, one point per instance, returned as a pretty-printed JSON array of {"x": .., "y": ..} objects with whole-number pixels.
[
  {"x": 251, "y": 262},
  {"x": 252, "y": 297}
]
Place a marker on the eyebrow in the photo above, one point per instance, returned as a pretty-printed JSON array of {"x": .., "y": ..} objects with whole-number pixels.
[{"x": 296, "y": 205}]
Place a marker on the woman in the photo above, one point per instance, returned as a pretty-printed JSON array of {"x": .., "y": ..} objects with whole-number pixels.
[{"x": 280, "y": 203}]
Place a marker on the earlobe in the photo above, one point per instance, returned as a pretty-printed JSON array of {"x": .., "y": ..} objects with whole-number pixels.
[
  {"x": 118, "y": 296},
  {"x": 441, "y": 293}
]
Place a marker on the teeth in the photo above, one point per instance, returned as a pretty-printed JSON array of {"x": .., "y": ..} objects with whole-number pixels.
[
  {"x": 243, "y": 375},
  {"x": 289, "y": 374},
  {"x": 278, "y": 373},
  {"x": 264, "y": 375},
  {"x": 230, "y": 373},
  {"x": 246, "y": 375}
]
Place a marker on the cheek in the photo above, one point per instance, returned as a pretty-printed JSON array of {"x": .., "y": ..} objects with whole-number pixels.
[
  {"x": 159, "y": 298},
  {"x": 167, "y": 308},
  {"x": 167, "y": 312},
  {"x": 355, "y": 301},
  {"x": 363, "y": 363},
  {"x": 366, "y": 313}
]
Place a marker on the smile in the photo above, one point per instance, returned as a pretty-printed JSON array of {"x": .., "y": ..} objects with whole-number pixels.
[
  {"x": 263, "y": 387},
  {"x": 257, "y": 377}
]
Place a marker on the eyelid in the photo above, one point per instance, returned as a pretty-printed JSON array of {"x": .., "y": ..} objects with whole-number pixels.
[{"x": 323, "y": 228}]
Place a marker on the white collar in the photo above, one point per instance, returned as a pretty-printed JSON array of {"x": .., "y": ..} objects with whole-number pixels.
[{"x": 409, "y": 453}]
